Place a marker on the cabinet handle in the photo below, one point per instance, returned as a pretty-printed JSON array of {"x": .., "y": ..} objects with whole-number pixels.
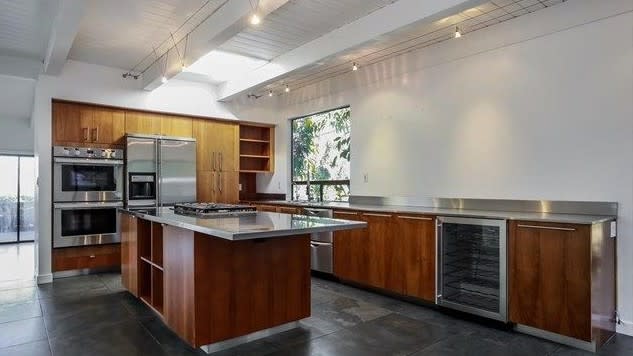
[
  {"x": 213, "y": 161},
  {"x": 92, "y": 256},
  {"x": 345, "y": 213},
  {"x": 213, "y": 183},
  {"x": 377, "y": 215},
  {"x": 546, "y": 227},
  {"x": 221, "y": 162},
  {"x": 414, "y": 218},
  {"x": 220, "y": 180},
  {"x": 85, "y": 133}
]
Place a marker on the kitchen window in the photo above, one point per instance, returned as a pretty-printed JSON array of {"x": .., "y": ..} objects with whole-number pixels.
[{"x": 321, "y": 156}]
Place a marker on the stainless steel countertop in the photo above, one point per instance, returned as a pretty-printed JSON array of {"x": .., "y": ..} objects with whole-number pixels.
[
  {"x": 398, "y": 209},
  {"x": 249, "y": 226}
]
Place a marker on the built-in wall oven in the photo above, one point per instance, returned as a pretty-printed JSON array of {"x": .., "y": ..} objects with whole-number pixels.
[
  {"x": 86, "y": 174},
  {"x": 85, "y": 223},
  {"x": 87, "y": 191},
  {"x": 472, "y": 265}
]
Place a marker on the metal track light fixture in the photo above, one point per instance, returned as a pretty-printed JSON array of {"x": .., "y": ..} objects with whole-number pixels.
[{"x": 254, "y": 19}]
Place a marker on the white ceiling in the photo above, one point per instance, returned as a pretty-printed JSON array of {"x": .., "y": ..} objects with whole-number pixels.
[
  {"x": 408, "y": 39},
  {"x": 25, "y": 27},
  {"x": 123, "y": 33},
  {"x": 298, "y": 22}
]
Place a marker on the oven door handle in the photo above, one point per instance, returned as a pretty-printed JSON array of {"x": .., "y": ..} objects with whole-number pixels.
[
  {"x": 101, "y": 162},
  {"x": 88, "y": 205}
]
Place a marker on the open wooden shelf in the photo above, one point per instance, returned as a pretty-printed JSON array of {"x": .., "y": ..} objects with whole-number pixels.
[
  {"x": 256, "y": 149},
  {"x": 150, "y": 267}
]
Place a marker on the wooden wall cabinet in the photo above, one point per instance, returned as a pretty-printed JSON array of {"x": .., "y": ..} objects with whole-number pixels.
[
  {"x": 82, "y": 124},
  {"x": 176, "y": 126},
  {"x": 561, "y": 278},
  {"x": 351, "y": 252},
  {"x": 137, "y": 122}
]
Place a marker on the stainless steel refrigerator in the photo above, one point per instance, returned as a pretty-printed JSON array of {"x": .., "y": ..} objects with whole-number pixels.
[{"x": 160, "y": 170}]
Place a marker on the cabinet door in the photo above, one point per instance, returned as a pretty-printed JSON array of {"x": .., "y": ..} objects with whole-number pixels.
[
  {"x": 269, "y": 208},
  {"x": 227, "y": 138},
  {"x": 383, "y": 254},
  {"x": 67, "y": 124},
  {"x": 228, "y": 187},
  {"x": 416, "y": 240},
  {"x": 108, "y": 126},
  {"x": 205, "y": 154},
  {"x": 550, "y": 277},
  {"x": 351, "y": 258},
  {"x": 206, "y": 186},
  {"x": 129, "y": 253},
  {"x": 176, "y": 126},
  {"x": 289, "y": 210},
  {"x": 142, "y": 123}
]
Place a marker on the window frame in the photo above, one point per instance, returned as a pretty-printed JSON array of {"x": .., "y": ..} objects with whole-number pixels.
[{"x": 320, "y": 183}]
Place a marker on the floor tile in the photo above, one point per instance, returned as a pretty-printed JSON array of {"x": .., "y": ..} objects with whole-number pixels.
[
  {"x": 112, "y": 281},
  {"x": 127, "y": 338},
  {"x": 69, "y": 305},
  {"x": 13, "y": 312},
  {"x": 13, "y": 284},
  {"x": 169, "y": 341},
  {"x": 21, "y": 332},
  {"x": 18, "y": 295},
  {"x": 253, "y": 348},
  {"x": 37, "y": 348},
  {"x": 103, "y": 318},
  {"x": 619, "y": 345},
  {"x": 72, "y": 286}
]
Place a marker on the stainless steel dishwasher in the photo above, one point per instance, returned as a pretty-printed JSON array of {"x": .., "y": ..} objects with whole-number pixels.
[{"x": 321, "y": 244}]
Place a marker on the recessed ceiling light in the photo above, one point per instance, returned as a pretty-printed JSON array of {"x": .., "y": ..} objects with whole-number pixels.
[{"x": 255, "y": 20}]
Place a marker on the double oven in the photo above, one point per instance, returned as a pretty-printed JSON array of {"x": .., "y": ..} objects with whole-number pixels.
[{"x": 87, "y": 191}]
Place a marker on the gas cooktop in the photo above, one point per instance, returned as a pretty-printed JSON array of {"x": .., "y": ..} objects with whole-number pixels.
[{"x": 212, "y": 209}]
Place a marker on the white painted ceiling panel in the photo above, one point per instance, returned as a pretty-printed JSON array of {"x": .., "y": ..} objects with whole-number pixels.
[
  {"x": 25, "y": 27},
  {"x": 299, "y": 22},
  {"x": 408, "y": 39},
  {"x": 123, "y": 33}
]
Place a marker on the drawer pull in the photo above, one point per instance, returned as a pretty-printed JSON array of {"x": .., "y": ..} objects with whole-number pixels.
[
  {"x": 414, "y": 218},
  {"x": 546, "y": 227},
  {"x": 93, "y": 256},
  {"x": 377, "y": 215},
  {"x": 345, "y": 213}
]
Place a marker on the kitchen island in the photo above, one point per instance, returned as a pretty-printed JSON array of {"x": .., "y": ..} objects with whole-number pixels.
[{"x": 221, "y": 281}]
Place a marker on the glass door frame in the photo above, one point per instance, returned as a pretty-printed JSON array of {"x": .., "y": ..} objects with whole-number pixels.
[{"x": 18, "y": 200}]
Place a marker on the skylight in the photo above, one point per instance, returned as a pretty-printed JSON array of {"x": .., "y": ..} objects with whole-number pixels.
[{"x": 222, "y": 66}]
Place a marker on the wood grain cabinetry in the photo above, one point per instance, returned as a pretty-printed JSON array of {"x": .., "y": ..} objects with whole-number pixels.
[
  {"x": 137, "y": 122},
  {"x": 382, "y": 252},
  {"x": 129, "y": 252},
  {"x": 351, "y": 252},
  {"x": 415, "y": 236},
  {"x": 176, "y": 126},
  {"x": 80, "y": 124},
  {"x": 93, "y": 257},
  {"x": 561, "y": 278}
]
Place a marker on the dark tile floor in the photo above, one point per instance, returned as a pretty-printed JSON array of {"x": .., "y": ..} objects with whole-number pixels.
[{"x": 93, "y": 315}]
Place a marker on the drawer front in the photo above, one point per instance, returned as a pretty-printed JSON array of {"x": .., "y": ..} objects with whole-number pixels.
[{"x": 86, "y": 257}]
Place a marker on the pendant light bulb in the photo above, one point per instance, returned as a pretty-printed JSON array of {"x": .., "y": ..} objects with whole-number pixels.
[
  {"x": 163, "y": 79},
  {"x": 355, "y": 67},
  {"x": 458, "y": 33},
  {"x": 255, "y": 20},
  {"x": 270, "y": 93},
  {"x": 287, "y": 88}
]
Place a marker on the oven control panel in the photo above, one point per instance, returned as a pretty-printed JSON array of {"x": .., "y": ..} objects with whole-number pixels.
[{"x": 83, "y": 152}]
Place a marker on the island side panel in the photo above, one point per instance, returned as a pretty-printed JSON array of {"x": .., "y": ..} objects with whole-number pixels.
[
  {"x": 178, "y": 272},
  {"x": 248, "y": 286}
]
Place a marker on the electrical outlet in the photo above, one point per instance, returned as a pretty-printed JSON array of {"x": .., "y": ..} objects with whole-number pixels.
[{"x": 365, "y": 177}]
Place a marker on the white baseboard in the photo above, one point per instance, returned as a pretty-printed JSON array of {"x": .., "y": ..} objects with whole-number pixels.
[
  {"x": 44, "y": 278},
  {"x": 625, "y": 328}
]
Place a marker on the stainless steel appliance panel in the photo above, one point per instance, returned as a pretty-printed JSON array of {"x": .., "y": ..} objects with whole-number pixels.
[
  {"x": 472, "y": 265},
  {"x": 176, "y": 172},
  {"x": 141, "y": 154},
  {"x": 321, "y": 256},
  {"x": 79, "y": 224},
  {"x": 87, "y": 179},
  {"x": 321, "y": 244}
]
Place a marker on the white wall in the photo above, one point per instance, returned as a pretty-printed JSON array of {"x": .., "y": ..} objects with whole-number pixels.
[
  {"x": 16, "y": 103},
  {"x": 540, "y": 107},
  {"x": 16, "y": 136},
  {"x": 102, "y": 85}
]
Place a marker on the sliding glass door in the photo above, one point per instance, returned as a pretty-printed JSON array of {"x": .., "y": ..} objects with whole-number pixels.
[{"x": 17, "y": 193}]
